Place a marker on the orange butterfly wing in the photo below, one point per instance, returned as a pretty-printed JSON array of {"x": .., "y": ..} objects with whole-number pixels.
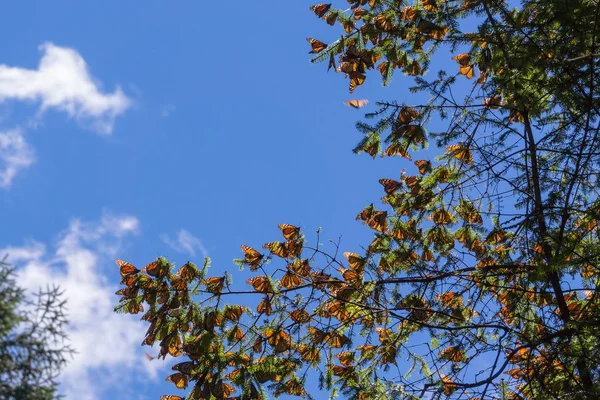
[
  {"x": 265, "y": 307},
  {"x": 320, "y": 9},
  {"x": 277, "y": 248},
  {"x": 215, "y": 285},
  {"x": 126, "y": 269},
  {"x": 260, "y": 284},
  {"x": 179, "y": 380},
  {"x": 251, "y": 257},
  {"x": 356, "y": 103},
  {"x": 289, "y": 231},
  {"x": 390, "y": 185},
  {"x": 317, "y": 45}
]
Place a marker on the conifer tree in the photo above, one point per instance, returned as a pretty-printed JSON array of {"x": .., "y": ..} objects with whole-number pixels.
[
  {"x": 481, "y": 280},
  {"x": 33, "y": 346}
]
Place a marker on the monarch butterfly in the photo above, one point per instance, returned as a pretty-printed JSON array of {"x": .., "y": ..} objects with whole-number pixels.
[
  {"x": 300, "y": 316},
  {"x": 453, "y": 353},
  {"x": 280, "y": 340},
  {"x": 149, "y": 357},
  {"x": 289, "y": 231},
  {"x": 320, "y": 277},
  {"x": 468, "y": 71},
  {"x": 384, "y": 334},
  {"x": 383, "y": 23},
  {"x": 257, "y": 347},
  {"x": 397, "y": 149},
  {"x": 355, "y": 261},
  {"x": 378, "y": 221},
  {"x": 171, "y": 397},
  {"x": 128, "y": 292},
  {"x": 356, "y": 103},
  {"x": 171, "y": 344},
  {"x": 178, "y": 283},
  {"x": 320, "y": 9},
  {"x": 407, "y": 14},
  {"x": 277, "y": 248},
  {"x": 188, "y": 271},
  {"x": 126, "y": 269},
  {"x": 349, "y": 275},
  {"x": 261, "y": 284},
  {"x": 291, "y": 280},
  {"x": 309, "y": 353},
  {"x": 130, "y": 280},
  {"x": 251, "y": 257},
  {"x": 233, "y": 313},
  {"x": 222, "y": 390},
  {"x": 356, "y": 79},
  {"x": 184, "y": 367},
  {"x": 429, "y": 5},
  {"x": 389, "y": 185},
  {"x": 337, "y": 310},
  {"x": 179, "y": 380},
  {"x": 424, "y": 166},
  {"x": 301, "y": 267},
  {"x": 232, "y": 375},
  {"x": 148, "y": 340},
  {"x": 407, "y": 115},
  {"x": 412, "y": 181},
  {"x": 336, "y": 340},
  {"x": 441, "y": 217},
  {"x": 237, "y": 333},
  {"x": 414, "y": 69},
  {"x": 348, "y": 25},
  {"x": 294, "y": 387},
  {"x": 163, "y": 294},
  {"x": 427, "y": 255},
  {"x": 448, "y": 298},
  {"x": 345, "y": 293},
  {"x": 346, "y": 358},
  {"x": 366, "y": 213},
  {"x": 265, "y": 307},
  {"x": 331, "y": 18},
  {"x": 215, "y": 285},
  {"x": 133, "y": 307},
  {"x": 341, "y": 371},
  {"x": 317, "y": 335},
  {"x": 317, "y": 45},
  {"x": 463, "y": 59},
  {"x": 461, "y": 152},
  {"x": 358, "y": 13},
  {"x": 154, "y": 269},
  {"x": 294, "y": 248}
]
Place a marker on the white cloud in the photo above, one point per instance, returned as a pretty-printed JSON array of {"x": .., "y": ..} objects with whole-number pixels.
[
  {"x": 108, "y": 344},
  {"x": 185, "y": 242},
  {"x": 62, "y": 81},
  {"x": 15, "y": 155}
]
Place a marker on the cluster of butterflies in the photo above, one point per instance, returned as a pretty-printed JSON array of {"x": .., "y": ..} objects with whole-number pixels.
[{"x": 291, "y": 248}]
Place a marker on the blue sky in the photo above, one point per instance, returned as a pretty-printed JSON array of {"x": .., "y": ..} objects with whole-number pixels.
[{"x": 131, "y": 130}]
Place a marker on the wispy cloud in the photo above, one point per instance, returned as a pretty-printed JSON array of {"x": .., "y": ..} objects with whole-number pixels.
[
  {"x": 185, "y": 242},
  {"x": 62, "y": 81},
  {"x": 15, "y": 155},
  {"x": 80, "y": 262}
]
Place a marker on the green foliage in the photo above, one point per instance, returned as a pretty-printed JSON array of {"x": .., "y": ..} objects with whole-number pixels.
[
  {"x": 489, "y": 251},
  {"x": 32, "y": 341}
]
